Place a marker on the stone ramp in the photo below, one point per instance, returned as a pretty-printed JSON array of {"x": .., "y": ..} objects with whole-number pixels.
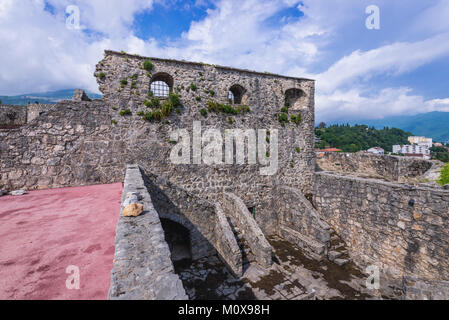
[
  {"x": 209, "y": 229},
  {"x": 253, "y": 244},
  {"x": 300, "y": 223}
]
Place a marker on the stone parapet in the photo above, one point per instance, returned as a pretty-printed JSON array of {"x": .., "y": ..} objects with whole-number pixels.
[
  {"x": 142, "y": 268},
  {"x": 402, "y": 229}
]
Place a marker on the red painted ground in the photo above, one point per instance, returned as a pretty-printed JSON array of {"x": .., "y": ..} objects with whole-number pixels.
[{"x": 44, "y": 232}]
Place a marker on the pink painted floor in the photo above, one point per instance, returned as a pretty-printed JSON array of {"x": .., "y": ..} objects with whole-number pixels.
[{"x": 44, "y": 232}]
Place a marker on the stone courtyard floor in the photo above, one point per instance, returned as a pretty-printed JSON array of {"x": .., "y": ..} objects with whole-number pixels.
[
  {"x": 44, "y": 232},
  {"x": 293, "y": 276}
]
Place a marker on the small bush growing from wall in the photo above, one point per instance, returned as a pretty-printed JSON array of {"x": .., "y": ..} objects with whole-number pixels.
[
  {"x": 114, "y": 121},
  {"x": 134, "y": 77},
  {"x": 193, "y": 87},
  {"x": 198, "y": 98},
  {"x": 167, "y": 108},
  {"x": 298, "y": 149},
  {"x": 133, "y": 85},
  {"x": 444, "y": 177},
  {"x": 216, "y": 107},
  {"x": 296, "y": 119},
  {"x": 148, "y": 65},
  {"x": 152, "y": 103},
  {"x": 203, "y": 112},
  {"x": 125, "y": 112},
  {"x": 102, "y": 75},
  {"x": 174, "y": 99},
  {"x": 159, "y": 112},
  {"x": 123, "y": 82},
  {"x": 140, "y": 113},
  {"x": 283, "y": 118}
]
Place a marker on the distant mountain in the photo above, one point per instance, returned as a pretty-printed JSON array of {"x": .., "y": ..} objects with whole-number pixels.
[
  {"x": 433, "y": 124},
  {"x": 44, "y": 97}
]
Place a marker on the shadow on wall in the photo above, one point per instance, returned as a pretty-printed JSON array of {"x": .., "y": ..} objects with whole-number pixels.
[
  {"x": 199, "y": 246},
  {"x": 198, "y": 264}
]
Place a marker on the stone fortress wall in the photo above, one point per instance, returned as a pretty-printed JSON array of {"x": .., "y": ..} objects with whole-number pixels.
[
  {"x": 401, "y": 228},
  {"x": 385, "y": 167},
  {"x": 12, "y": 116},
  {"x": 89, "y": 142}
]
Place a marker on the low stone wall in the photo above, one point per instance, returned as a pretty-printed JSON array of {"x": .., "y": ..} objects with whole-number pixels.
[
  {"x": 390, "y": 168},
  {"x": 12, "y": 116},
  {"x": 34, "y": 110},
  {"x": 142, "y": 266},
  {"x": 234, "y": 207},
  {"x": 418, "y": 289},
  {"x": 73, "y": 144},
  {"x": 209, "y": 230},
  {"x": 300, "y": 224},
  {"x": 402, "y": 229}
]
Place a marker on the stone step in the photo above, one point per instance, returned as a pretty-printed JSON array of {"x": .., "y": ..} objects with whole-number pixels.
[
  {"x": 341, "y": 262},
  {"x": 334, "y": 255},
  {"x": 335, "y": 237},
  {"x": 337, "y": 246}
]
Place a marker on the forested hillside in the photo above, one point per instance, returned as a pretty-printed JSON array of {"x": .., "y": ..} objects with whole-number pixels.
[{"x": 359, "y": 137}]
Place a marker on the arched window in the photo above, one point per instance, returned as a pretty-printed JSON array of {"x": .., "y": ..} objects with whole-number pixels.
[
  {"x": 161, "y": 85},
  {"x": 294, "y": 98},
  {"x": 236, "y": 94}
]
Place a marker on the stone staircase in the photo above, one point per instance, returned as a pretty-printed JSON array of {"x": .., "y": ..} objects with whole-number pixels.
[
  {"x": 337, "y": 252},
  {"x": 247, "y": 255}
]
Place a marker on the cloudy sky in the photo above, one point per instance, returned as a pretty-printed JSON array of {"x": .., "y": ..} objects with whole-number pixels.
[{"x": 361, "y": 73}]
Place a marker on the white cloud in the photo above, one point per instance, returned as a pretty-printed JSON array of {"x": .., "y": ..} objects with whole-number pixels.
[
  {"x": 396, "y": 58},
  {"x": 42, "y": 54}
]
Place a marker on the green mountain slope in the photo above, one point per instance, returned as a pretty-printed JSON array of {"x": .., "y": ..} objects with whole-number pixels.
[
  {"x": 359, "y": 137},
  {"x": 433, "y": 124}
]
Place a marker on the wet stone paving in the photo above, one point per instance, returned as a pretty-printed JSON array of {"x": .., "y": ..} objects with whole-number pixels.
[{"x": 292, "y": 276}]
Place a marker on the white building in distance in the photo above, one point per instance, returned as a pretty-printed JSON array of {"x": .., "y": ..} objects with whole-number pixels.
[
  {"x": 421, "y": 141},
  {"x": 376, "y": 150},
  {"x": 412, "y": 150}
]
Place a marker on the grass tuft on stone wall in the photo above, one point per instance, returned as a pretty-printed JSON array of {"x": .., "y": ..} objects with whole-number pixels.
[{"x": 444, "y": 177}]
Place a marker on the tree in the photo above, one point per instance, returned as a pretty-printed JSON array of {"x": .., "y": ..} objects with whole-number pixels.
[
  {"x": 360, "y": 137},
  {"x": 322, "y": 125}
]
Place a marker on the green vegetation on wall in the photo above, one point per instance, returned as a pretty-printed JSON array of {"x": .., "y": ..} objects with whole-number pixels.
[
  {"x": 213, "y": 106},
  {"x": 444, "y": 177},
  {"x": 161, "y": 110}
]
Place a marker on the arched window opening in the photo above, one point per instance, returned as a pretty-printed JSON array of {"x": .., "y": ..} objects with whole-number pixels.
[
  {"x": 161, "y": 85},
  {"x": 236, "y": 94},
  {"x": 294, "y": 98}
]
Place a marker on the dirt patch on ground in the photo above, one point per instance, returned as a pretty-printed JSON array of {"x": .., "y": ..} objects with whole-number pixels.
[{"x": 332, "y": 273}]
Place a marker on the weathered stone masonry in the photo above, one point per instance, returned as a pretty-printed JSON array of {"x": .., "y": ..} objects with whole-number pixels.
[
  {"x": 77, "y": 143},
  {"x": 142, "y": 267},
  {"x": 399, "y": 227},
  {"x": 402, "y": 229}
]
